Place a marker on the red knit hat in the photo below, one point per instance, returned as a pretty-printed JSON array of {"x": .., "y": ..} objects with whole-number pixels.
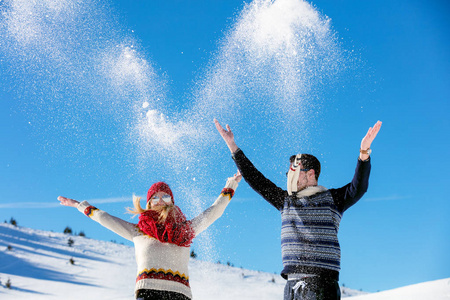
[{"x": 159, "y": 187}]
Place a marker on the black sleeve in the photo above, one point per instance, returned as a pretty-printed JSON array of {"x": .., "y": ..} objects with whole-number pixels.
[
  {"x": 349, "y": 194},
  {"x": 260, "y": 184}
]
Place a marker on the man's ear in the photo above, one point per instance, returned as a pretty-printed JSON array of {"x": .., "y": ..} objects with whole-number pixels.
[{"x": 312, "y": 173}]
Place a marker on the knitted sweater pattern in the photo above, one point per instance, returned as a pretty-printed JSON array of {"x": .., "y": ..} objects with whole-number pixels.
[
  {"x": 161, "y": 266},
  {"x": 309, "y": 233}
]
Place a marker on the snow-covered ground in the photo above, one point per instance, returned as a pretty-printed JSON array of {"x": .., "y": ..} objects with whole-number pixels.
[
  {"x": 38, "y": 266},
  {"x": 433, "y": 290}
]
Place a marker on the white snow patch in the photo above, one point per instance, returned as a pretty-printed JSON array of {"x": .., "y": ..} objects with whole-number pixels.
[
  {"x": 38, "y": 267},
  {"x": 432, "y": 290}
]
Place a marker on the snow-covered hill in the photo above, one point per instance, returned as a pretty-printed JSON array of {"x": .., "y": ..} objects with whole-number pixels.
[{"x": 42, "y": 265}]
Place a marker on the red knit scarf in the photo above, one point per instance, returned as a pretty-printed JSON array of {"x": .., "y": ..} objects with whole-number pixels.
[{"x": 175, "y": 230}]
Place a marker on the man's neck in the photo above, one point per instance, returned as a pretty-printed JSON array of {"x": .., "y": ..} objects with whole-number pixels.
[{"x": 310, "y": 190}]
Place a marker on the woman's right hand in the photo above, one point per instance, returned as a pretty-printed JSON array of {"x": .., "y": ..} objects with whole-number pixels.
[{"x": 68, "y": 202}]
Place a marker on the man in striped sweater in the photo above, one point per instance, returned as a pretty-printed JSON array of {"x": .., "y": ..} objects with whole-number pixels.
[{"x": 310, "y": 216}]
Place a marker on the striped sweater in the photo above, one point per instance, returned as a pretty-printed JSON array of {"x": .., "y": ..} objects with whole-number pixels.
[
  {"x": 310, "y": 219},
  {"x": 161, "y": 266}
]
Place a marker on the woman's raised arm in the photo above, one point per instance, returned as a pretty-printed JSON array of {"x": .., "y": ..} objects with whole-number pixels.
[
  {"x": 123, "y": 228},
  {"x": 206, "y": 218}
]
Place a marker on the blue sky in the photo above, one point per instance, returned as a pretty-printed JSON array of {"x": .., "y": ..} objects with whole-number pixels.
[{"x": 82, "y": 86}]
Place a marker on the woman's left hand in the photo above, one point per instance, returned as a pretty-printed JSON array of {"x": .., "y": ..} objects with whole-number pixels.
[{"x": 237, "y": 176}]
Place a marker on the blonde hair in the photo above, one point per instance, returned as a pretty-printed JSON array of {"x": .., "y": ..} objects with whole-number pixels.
[{"x": 162, "y": 210}]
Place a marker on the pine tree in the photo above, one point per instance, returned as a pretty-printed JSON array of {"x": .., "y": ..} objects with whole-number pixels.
[
  {"x": 8, "y": 283},
  {"x": 12, "y": 221},
  {"x": 70, "y": 242}
]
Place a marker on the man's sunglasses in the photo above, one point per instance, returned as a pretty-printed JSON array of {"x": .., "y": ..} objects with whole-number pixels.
[{"x": 304, "y": 170}]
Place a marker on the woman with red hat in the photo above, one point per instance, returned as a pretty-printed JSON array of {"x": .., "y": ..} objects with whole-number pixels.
[{"x": 162, "y": 238}]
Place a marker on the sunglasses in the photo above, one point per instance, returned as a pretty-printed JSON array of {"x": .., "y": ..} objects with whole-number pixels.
[
  {"x": 304, "y": 170},
  {"x": 166, "y": 198}
]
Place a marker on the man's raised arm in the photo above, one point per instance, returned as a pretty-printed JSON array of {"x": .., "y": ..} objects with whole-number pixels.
[
  {"x": 258, "y": 182},
  {"x": 349, "y": 194}
]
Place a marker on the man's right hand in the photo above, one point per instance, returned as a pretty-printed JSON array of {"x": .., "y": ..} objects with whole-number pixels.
[{"x": 227, "y": 136}]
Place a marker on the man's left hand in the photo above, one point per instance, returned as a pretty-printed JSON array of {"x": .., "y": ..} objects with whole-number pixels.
[{"x": 368, "y": 139}]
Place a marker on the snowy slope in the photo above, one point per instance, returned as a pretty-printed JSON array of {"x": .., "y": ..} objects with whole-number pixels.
[
  {"x": 433, "y": 290},
  {"x": 38, "y": 266}
]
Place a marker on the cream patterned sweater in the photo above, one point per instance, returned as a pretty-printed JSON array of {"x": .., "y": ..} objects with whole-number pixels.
[{"x": 161, "y": 266}]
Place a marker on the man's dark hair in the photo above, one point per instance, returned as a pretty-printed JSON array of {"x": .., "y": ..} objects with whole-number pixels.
[{"x": 309, "y": 162}]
